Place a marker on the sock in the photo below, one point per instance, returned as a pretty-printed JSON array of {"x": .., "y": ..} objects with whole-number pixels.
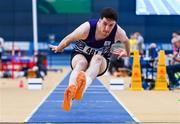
[
  {"x": 88, "y": 81},
  {"x": 72, "y": 78}
]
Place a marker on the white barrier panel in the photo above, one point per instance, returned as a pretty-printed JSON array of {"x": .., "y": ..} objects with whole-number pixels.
[
  {"x": 26, "y": 45},
  {"x": 117, "y": 84},
  {"x": 17, "y": 45},
  {"x": 34, "y": 83}
]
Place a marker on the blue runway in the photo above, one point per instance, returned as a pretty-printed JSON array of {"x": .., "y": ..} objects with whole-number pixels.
[{"x": 97, "y": 106}]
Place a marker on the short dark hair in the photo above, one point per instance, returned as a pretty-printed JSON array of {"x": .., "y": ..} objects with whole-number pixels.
[
  {"x": 109, "y": 13},
  {"x": 177, "y": 32}
]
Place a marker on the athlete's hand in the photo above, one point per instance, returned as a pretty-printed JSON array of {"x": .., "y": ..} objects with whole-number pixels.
[
  {"x": 55, "y": 48},
  {"x": 119, "y": 52}
]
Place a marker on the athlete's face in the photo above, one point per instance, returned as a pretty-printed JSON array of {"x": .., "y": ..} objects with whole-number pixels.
[
  {"x": 106, "y": 26},
  {"x": 177, "y": 44}
]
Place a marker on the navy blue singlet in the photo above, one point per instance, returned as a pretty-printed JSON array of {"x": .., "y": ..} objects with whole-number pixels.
[{"x": 91, "y": 46}]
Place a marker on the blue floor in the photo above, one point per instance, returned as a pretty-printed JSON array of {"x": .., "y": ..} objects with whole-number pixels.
[{"x": 97, "y": 106}]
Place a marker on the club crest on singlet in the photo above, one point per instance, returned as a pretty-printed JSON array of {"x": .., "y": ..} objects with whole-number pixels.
[{"x": 107, "y": 43}]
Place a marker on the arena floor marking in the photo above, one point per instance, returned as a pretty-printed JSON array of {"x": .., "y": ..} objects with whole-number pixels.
[{"x": 97, "y": 106}]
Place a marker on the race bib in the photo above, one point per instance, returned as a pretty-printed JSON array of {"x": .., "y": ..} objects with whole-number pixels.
[{"x": 82, "y": 47}]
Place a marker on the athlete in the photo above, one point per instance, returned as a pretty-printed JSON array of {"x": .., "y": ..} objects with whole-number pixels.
[{"x": 91, "y": 54}]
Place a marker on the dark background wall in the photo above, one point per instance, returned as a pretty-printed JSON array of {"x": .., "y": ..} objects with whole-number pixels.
[{"x": 16, "y": 21}]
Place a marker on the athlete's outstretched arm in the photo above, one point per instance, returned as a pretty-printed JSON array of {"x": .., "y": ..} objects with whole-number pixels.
[
  {"x": 121, "y": 36},
  {"x": 79, "y": 33}
]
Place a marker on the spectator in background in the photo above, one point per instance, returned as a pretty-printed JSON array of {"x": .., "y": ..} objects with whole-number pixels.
[
  {"x": 42, "y": 64},
  {"x": 133, "y": 43},
  {"x": 1, "y": 47},
  {"x": 140, "y": 42},
  {"x": 51, "y": 38},
  {"x": 1, "y": 50},
  {"x": 153, "y": 51},
  {"x": 175, "y": 35},
  {"x": 175, "y": 65}
]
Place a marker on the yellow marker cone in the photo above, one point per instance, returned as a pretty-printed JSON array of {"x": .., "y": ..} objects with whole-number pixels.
[
  {"x": 136, "y": 81},
  {"x": 161, "y": 81}
]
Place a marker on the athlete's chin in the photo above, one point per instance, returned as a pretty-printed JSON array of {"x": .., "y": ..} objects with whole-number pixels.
[{"x": 106, "y": 34}]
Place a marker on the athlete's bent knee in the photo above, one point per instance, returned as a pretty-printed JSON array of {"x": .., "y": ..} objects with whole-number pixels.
[
  {"x": 82, "y": 63},
  {"x": 97, "y": 58}
]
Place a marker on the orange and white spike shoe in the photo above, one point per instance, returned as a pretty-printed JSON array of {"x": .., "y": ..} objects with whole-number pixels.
[
  {"x": 81, "y": 83},
  {"x": 68, "y": 96}
]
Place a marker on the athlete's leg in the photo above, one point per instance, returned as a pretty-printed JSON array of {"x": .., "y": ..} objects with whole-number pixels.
[
  {"x": 79, "y": 63},
  {"x": 97, "y": 66}
]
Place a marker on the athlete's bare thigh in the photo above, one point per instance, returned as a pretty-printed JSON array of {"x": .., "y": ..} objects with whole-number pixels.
[
  {"x": 103, "y": 65},
  {"x": 81, "y": 60}
]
